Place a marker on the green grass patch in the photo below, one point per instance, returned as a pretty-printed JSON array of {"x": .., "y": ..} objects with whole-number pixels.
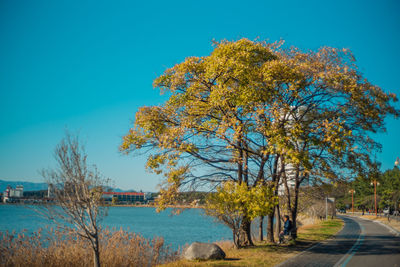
[{"x": 320, "y": 232}]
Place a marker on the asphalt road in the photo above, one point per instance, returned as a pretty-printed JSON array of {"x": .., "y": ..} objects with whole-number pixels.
[{"x": 361, "y": 243}]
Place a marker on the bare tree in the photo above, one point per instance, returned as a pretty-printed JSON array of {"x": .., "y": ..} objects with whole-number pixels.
[{"x": 77, "y": 189}]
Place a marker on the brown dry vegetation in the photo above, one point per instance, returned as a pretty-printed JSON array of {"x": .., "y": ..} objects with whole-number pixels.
[{"x": 60, "y": 248}]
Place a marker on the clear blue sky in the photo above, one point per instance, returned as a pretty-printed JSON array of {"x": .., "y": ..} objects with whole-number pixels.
[{"x": 88, "y": 66}]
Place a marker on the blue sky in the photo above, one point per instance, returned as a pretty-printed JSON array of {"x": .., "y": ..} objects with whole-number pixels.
[{"x": 88, "y": 66}]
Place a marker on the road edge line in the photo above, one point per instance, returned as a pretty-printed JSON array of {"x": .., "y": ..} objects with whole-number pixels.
[
  {"x": 391, "y": 229},
  {"x": 350, "y": 253}
]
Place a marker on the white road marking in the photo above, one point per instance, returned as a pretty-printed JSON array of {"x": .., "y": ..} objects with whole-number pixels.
[{"x": 347, "y": 257}]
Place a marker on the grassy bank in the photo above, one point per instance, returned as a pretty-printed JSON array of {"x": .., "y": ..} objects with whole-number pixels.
[{"x": 264, "y": 254}]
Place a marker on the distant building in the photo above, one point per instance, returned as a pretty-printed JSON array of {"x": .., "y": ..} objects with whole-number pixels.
[
  {"x": 18, "y": 191},
  {"x": 50, "y": 191},
  {"x": 290, "y": 169},
  {"x": 125, "y": 197},
  {"x": 12, "y": 193},
  {"x": 290, "y": 172}
]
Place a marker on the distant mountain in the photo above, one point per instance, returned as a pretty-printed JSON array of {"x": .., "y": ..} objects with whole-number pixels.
[
  {"x": 116, "y": 189},
  {"x": 28, "y": 186}
]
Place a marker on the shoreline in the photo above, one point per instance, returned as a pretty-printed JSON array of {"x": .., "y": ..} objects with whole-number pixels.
[
  {"x": 119, "y": 205},
  {"x": 154, "y": 206}
]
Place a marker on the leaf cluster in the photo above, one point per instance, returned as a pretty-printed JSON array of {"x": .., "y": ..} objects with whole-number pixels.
[{"x": 233, "y": 201}]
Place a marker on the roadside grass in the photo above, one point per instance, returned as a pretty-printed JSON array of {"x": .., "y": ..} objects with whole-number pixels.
[
  {"x": 321, "y": 231},
  {"x": 266, "y": 254}
]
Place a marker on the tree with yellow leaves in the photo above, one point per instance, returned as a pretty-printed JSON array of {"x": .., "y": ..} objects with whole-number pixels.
[
  {"x": 251, "y": 109},
  {"x": 205, "y": 133},
  {"x": 327, "y": 111},
  {"x": 233, "y": 201}
]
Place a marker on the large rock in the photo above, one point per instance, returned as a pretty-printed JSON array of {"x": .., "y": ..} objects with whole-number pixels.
[{"x": 203, "y": 251}]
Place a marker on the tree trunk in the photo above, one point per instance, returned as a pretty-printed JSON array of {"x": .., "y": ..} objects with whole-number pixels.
[
  {"x": 245, "y": 233},
  {"x": 260, "y": 228},
  {"x": 240, "y": 164},
  {"x": 96, "y": 252},
  {"x": 278, "y": 221},
  {"x": 236, "y": 238},
  {"x": 294, "y": 224},
  {"x": 294, "y": 209},
  {"x": 270, "y": 227}
]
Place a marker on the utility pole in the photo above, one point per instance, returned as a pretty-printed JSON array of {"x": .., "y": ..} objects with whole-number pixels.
[
  {"x": 375, "y": 183},
  {"x": 326, "y": 207}
]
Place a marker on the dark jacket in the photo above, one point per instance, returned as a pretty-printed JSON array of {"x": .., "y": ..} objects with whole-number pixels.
[{"x": 287, "y": 227}]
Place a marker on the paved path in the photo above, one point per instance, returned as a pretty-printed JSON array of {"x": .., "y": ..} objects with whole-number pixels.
[{"x": 361, "y": 243}]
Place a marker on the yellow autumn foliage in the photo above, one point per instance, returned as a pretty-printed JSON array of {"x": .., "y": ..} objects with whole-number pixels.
[
  {"x": 252, "y": 104},
  {"x": 234, "y": 199}
]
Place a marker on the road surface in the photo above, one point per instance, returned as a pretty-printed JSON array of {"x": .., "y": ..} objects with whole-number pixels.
[{"x": 361, "y": 243}]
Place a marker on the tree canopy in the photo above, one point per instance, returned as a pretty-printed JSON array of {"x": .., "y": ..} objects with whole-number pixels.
[
  {"x": 388, "y": 190},
  {"x": 250, "y": 110},
  {"x": 246, "y": 101}
]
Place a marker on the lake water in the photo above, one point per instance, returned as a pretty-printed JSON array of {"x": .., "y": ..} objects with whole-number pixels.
[{"x": 190, "y": 226}]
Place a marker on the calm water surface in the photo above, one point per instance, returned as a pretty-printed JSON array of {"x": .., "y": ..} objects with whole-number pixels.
[{"x": 190, "y": 226}]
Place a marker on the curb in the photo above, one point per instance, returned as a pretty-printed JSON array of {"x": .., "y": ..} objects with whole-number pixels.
[{"x": 391, "y": 229}]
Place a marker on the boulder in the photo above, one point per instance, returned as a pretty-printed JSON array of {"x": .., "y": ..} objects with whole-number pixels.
[{"x": 203, "y": 251}]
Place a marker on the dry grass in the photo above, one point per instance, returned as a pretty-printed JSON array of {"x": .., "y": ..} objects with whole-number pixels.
[
  {"x": 264, "y": 254},
  {"x": 61, "y": 248}
]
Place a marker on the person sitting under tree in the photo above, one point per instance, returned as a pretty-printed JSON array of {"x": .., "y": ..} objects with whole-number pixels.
[{"x": 287, "y": 227}]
